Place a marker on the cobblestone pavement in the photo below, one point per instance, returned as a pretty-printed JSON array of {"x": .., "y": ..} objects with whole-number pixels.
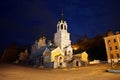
[{"x": 92, "y": 72}]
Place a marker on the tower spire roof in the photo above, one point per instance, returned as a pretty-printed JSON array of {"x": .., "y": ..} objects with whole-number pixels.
[{"x": 62, "y": 16}]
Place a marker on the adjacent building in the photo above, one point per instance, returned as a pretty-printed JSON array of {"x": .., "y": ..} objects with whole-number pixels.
[
  {"x": 112, "y": 43},
  {"x": 41, "y": 42},
  {"x": 80, "y": 59}
]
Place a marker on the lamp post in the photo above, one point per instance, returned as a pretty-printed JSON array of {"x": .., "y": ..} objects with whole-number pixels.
[{"x": 110, "y": 55}]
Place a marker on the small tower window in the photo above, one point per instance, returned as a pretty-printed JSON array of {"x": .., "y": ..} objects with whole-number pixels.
[
  {"x": 65, "y": 27},
  {"x": 61, "y": 26}
]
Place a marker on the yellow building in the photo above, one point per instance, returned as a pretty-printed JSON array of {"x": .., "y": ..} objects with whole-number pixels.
[
  {"x": 112, "y": 43},
  {"x": 80, "y": 59},
  {"x": 53, "y": 58}
]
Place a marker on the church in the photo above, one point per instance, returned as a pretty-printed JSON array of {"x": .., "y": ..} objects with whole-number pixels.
[
  {"x": 53, "y": 55},
  {"x": 62, "y": 38}
]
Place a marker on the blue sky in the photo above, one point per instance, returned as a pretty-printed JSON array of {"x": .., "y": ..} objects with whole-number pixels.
[{"x": 23, "y": 21}]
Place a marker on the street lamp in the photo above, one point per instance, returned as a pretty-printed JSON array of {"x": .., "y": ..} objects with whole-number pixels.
[
  {"x": 110, "y": 54},
  {"x": 75, "y": 48}
]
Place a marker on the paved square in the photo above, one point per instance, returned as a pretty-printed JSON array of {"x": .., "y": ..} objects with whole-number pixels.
[{"x": 92, "y": 72}]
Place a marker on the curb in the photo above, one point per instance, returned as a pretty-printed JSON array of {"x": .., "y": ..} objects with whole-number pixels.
[
  {"x": 113, "y": 71},
  {"x": 71, "y": 69}
]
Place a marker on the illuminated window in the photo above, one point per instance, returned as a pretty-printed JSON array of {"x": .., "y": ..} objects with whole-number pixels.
[{"x": 108, "y": 41}]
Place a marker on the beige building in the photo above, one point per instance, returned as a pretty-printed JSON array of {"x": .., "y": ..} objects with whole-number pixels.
[
  {"x": 112, "y": 43},
  {"x": 80, "y": 59}
]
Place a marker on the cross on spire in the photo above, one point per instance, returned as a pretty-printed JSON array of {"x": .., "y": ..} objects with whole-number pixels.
[{"x": 62, "y": 16}]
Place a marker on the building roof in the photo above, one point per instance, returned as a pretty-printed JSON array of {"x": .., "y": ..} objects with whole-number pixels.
[{"x": 39, "y": 52}]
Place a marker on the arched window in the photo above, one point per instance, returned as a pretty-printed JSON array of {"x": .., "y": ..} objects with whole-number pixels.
[
  {"x": 108, "y": 41},
  {"x": 65, "y": 53},
  {"x": 116, "y": 47},
  {"x": 114, "y": 40},
  {"x": 61, "y": 26},
  {"x": 65, "y": 27},
  {"x": 118, "y": 56}
]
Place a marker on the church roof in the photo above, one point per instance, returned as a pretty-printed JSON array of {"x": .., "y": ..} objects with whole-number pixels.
[
  {"x": 52, "y": 47},
  {"x": 39, "y": 52}
]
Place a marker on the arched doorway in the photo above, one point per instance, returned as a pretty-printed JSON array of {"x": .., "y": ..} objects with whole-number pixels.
[{"x": 77, "y": 63}]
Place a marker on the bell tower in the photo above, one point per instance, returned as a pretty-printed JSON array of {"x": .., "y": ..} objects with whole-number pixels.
[
  {"x": 62, "y": 25},
  {"x": 62, "y": 37}
]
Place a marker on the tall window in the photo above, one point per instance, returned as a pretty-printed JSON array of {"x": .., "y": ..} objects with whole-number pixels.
[
  {"x": 65, "y": 27},
  {"x": 110, "y": 48},
  {"x": 61, "y": 26},
  {"x": 108, "y": 41},
  {"x": 65, "y": 53},
  {"x": 114, "y": 40},
  {"x": 118, "y": 55},
  {"x": 111, "y": 55},
  {"x": 116, "y": 47},
  {"x": 47, "y": 58}
]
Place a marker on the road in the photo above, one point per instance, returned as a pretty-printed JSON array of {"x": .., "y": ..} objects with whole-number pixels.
[{"x": 93, "y": 72}]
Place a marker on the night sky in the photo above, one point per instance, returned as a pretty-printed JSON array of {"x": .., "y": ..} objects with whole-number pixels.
[{"x": 23, "y": 21}]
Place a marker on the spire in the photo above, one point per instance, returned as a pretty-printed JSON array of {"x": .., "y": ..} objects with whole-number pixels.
[{"x": 62, "y": 16}]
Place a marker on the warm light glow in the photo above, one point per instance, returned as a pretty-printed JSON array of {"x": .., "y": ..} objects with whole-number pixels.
[{"x": 75, "y": 48}]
